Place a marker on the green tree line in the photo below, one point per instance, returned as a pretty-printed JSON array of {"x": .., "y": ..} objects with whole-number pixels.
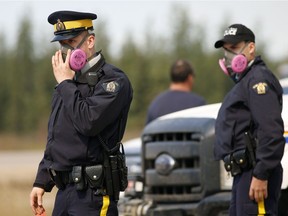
[{"x": 27, "y": 81}]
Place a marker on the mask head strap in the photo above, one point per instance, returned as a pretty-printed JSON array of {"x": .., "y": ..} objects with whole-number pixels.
[{"x": 65, "y": 46}]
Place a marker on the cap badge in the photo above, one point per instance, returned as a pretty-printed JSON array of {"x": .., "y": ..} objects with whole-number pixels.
[
  {"x": 230, "y": 31},
  {"x": 260, "y": 88},
  {"x": 60, "y": 25}
]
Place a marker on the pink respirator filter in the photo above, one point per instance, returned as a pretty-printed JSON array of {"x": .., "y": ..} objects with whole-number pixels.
[
  {"x": 223, "y": 66},
  {"x": 77, "y": 60},
  {"x": 239, "y": 63}
]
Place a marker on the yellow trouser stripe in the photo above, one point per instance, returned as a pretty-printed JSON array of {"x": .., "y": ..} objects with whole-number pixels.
[
  {"x": 261, "y": 208},
  {"x": 104, "y": 209}
]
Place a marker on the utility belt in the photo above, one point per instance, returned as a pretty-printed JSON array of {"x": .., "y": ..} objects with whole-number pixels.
[
  {"x": 238, "y": 161},
  {"x": 81, "y": 176},
  {"x": 108, "y": 178}
]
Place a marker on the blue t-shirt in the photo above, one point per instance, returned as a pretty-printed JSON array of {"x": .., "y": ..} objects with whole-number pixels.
[{"x": 172, "y": 101}]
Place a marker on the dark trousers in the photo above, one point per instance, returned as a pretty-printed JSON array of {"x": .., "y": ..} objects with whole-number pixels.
[
  {"x": 70, "y": 202},
  {"x": 241, "y": 204}
]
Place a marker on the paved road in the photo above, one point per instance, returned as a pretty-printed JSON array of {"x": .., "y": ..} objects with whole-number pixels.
[
  {"x": 19, "y": 165},
  {"x": 18, "y": 170}
]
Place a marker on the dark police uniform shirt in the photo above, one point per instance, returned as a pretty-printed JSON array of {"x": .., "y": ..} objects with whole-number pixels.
[
  {"x": 255, "y": 100},
  {"x": 78, "y": 116}
]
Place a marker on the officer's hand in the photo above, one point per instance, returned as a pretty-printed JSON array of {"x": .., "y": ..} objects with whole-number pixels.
[
  {"x": 36, "y": 200},
  {"x": 258, "y": 189},
  {"x": 61, "y": 69}
]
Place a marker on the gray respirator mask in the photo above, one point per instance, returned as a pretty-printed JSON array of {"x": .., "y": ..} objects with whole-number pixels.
[
  {"x": 234, "y": 64},
  {"x": 78, "y": 57}
]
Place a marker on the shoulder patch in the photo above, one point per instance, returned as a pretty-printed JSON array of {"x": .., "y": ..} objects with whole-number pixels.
[
  {"x": 260, "y": 88},
  {"x": 111, "y": 87}
]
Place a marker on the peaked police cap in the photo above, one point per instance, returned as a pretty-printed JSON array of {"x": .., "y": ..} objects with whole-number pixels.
[{"x": 69, "y": 24}]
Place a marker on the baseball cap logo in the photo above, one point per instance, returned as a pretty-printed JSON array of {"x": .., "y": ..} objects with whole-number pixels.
[{"x": 230, "y": 31}]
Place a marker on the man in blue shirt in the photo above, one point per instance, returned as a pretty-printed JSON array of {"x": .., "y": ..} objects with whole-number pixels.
[{"x": 179, "y": 95}]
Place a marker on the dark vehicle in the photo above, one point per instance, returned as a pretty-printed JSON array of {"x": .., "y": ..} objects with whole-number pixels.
[{"x": 179, "y": 176}]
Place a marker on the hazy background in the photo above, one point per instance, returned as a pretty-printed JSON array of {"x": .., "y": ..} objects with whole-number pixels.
[
  {"x": 268, "y": 19},
  {"x": 140, "y": 37}
]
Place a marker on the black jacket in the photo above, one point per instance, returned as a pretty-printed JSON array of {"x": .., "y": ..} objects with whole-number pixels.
[
  {"x": 79, "y": 114},
  {"x": 253, "y": 104}
]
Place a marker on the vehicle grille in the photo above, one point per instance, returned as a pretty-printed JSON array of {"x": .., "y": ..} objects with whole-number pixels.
[{"x": 178, "y": 163}]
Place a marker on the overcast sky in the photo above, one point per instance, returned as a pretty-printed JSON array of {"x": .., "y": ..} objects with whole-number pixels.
[{"x": 268, "y": 19}]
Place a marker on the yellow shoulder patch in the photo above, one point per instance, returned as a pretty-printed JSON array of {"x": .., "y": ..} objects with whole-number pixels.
[{"x": 260, "y": 88}]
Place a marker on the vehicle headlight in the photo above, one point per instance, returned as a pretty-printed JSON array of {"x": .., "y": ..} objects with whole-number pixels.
[{"x": 164, "y": 164}]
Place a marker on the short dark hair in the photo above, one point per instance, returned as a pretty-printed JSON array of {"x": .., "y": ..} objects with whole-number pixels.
[{"x": 180, "y": 70}]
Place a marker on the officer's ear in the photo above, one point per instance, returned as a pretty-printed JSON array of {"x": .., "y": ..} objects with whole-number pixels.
[
  {"x": 252, "y": 48},
  {"x": 91, "y": 41}
]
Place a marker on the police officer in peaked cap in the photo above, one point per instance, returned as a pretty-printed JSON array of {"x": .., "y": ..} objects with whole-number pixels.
[
  {"x": 249, "y": 127},
  {"x": 89, "y": 113}
]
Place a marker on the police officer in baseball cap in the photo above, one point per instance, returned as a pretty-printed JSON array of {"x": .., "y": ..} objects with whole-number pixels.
[
  {"x": 235, "y": 34},
  {"x": 90, "y": 106},
  {"x": 249, "y": 135}
]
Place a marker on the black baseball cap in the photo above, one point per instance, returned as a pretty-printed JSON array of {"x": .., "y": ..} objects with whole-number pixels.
[
  {"x": 69, "y": 24},
  {"x": 235, "y": 34}
]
